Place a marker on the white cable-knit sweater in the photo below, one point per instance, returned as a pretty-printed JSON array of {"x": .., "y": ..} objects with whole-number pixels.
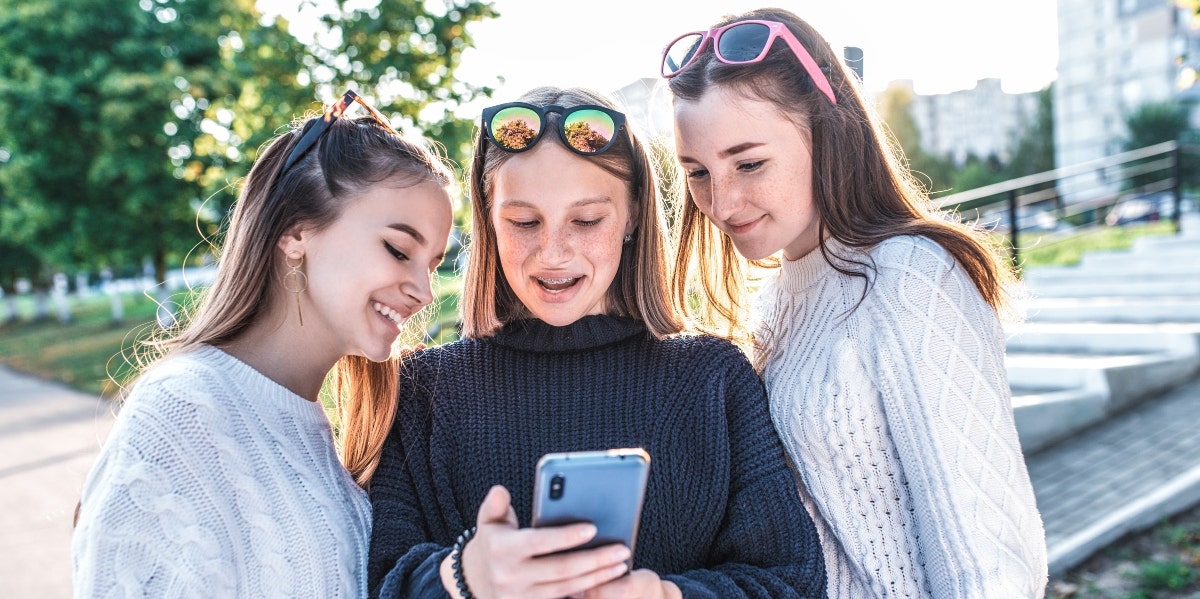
[
  {"x": 215, "y": 481},
  {"x": 897, "y": 413}
]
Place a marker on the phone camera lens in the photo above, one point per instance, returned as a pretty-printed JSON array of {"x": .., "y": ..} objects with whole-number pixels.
[{"x": 556, "y": 486}]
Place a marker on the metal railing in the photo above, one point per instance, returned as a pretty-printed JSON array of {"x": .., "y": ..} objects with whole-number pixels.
[{"x": 1072, "y": 194}]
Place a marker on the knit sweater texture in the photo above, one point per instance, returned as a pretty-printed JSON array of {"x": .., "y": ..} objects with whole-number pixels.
[
  {"x": 892, "y": 398},
  {"x": 215, "y": 481},
  {"x": 721, "y": 518}
]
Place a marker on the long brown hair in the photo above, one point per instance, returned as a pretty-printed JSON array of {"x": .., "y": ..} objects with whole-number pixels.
[
  {"x": 862, "y": 189},
  {"x": 350, "y": 157},
  {"x": 640, "y": 288}
]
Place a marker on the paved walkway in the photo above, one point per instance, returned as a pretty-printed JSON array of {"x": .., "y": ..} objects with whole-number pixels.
[
  {"x": 1126, "y": 473},
  {"x": 49, "y": 436}
]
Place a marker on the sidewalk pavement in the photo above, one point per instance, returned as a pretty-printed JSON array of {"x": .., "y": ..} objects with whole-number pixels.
[
  {"x": 1125, "y": 474},
  {"x": 1122, "y": 475},
  {"x": 49, "y": 436}
]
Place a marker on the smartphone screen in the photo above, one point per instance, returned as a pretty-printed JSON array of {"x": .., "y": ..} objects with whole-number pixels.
[{"x": 605, "y": 488}]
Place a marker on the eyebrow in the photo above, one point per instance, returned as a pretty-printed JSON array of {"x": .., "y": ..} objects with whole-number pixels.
[
  {"x": 415, "y": 234},
  {"x": 738, "y": 149},
  {"x": 577, "y": 203}
]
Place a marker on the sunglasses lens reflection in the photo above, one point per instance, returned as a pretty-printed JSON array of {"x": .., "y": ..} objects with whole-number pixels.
[
  {"x": 681, "y": 52},
  {"x": 589, "y": 131},
  {"x": 515, "y": 128},
  {"x": 743, "y": 43}
]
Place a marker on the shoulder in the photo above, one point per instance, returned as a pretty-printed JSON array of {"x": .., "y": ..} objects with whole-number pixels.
[
  {"x": 703, "y": 357},
  {"x": 196, "y": 377},
  {"x": 911, "y": 252},
  {"x": 703, "y": 347}
]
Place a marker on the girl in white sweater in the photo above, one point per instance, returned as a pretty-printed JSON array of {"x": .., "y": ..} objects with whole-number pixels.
[
  {"x": 879, "y": 339},
  {"x": 220, "y": 477}
]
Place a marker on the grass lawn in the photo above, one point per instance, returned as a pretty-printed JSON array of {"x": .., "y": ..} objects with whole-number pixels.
[
  {"x": 1160, "y": 563},
  {"x": 1058, "y": 249},
  {"x": 91, "y": 351},
  {"x": 86, "y": 353}
]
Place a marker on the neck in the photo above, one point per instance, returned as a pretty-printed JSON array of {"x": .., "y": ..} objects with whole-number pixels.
[{"x": 278, "y": 347}]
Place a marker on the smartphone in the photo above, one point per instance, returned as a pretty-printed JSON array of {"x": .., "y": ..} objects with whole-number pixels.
[{"x": 605, "y": 488}]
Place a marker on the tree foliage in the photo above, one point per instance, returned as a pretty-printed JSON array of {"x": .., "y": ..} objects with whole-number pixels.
[
  {"x": 934, "y": 172},
  {"x": 124, "y": 122}
]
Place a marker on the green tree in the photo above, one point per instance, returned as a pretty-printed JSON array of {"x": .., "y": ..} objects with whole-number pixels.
[
  {"x": 1151, "y": 124},
  {"x": 935, "y": 172},
  {"x": 1154, "y": 123},
  {"x": 125, "y": 122},
  {"x": 1033, "y": 151}
]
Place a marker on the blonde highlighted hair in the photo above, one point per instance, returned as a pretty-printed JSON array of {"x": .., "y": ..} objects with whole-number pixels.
[{"x": 640, "y": 287}]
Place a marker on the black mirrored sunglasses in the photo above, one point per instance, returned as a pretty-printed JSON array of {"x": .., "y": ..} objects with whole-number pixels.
[
  {"x": 319, "y": 128},
  {"x": 586, "y": 129}
]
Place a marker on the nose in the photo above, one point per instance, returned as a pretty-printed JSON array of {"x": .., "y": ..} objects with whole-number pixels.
[
  {"x": 727, "y": 199},
  {"x": 419, "y": 288},
  {"x": 554, "y": 246}
]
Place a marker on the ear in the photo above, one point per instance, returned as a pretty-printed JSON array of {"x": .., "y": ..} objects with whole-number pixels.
[
  {"x": 635, "y": 212},
  {"x": 294, "y": 241}
]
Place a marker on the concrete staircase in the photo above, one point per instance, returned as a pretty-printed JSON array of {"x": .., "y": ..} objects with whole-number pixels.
[{"x": 1117, "y": 329}]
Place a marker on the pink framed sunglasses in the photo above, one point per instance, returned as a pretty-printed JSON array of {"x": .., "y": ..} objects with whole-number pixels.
[{"x": 744, "y": 42}]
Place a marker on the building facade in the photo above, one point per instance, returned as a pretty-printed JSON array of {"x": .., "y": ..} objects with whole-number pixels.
[
  {"x": 1113, "y": 57},
  {"x": 983, "y": 121}
]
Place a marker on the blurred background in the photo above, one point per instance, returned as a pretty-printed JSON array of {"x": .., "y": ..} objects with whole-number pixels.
[{"x": 1067, "y": 128}]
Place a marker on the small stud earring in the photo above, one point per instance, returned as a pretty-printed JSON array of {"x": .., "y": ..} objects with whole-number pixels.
[{"x": 629, "y": 238}]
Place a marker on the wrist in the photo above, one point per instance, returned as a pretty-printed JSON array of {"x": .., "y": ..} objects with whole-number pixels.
[{"x": 458, "y": 581}]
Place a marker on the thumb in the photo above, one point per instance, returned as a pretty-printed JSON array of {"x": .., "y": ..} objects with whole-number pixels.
[{"x": 497, "y": 508}]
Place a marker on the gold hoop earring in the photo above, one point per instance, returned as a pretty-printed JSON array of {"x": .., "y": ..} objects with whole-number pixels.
[{"x": 295, "y": 282}]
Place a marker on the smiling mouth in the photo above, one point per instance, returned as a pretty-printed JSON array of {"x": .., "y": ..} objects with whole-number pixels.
[
  {"x": 746, "y": 226},
  {"x": 392, "y": 315},
  {"x": 557, "y": 285}
]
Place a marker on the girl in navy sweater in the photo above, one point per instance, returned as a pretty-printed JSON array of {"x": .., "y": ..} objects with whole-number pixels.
[{"x": 570, "y": 344}]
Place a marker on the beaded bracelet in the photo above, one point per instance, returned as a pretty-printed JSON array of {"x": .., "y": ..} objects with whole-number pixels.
[{"x": 456, "y": 563}]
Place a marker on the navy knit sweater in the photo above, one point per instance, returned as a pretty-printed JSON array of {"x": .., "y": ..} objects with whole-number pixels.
[{"x": 722, "y": 516}]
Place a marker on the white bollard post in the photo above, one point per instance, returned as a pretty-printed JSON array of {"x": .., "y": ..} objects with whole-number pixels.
[
  {"x": 59, "y": 293},
  {"x": 10, "y": 306}
]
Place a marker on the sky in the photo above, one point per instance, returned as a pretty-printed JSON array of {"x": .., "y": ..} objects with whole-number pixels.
[{"x": 941, "y": 45}]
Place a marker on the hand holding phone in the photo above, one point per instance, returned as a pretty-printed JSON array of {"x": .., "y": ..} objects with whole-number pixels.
[{"x": 606, "y": 488}]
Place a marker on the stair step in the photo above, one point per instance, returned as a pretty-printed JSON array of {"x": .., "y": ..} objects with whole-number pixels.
[
  {"x": 1165, "y": 262},
  {"x": 1046, "y": 416},
  {"x": 1124, "y": 379},
  {"x": 1150, "y": 287},
  {"x": 1149, "y": 270},
  {"x": 1157, "y": 244},
  {"x": 1178, "y": 309},
  {"x": 1110, "y": 338}
]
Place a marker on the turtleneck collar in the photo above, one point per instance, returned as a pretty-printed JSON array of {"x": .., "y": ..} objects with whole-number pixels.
[
  {"x": 796, "y": 276},
  {"x": 586, "y": 333}
]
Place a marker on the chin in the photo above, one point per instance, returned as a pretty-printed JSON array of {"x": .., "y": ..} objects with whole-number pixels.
[
  {"x": 558, "y": 318},
  {"x": 755, "y": 252}
]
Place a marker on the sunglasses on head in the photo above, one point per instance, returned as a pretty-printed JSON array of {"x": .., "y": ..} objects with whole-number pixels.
[
  {"x": 586, "y": 129},
  {"x": 744, "y": 42},
  {"x": 319, "y": 128}
]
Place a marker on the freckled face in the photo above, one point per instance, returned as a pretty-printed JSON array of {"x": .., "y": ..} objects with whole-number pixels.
[
  {"x": 749, "y": 170},
  {"x": 560, "y": 221}
]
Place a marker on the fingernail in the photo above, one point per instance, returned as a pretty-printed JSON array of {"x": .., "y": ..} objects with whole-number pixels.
[
  {"x": 620, "y": 553},
  {"x": 588, "y": 531},
  {"x": 619, "y": 569}
]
